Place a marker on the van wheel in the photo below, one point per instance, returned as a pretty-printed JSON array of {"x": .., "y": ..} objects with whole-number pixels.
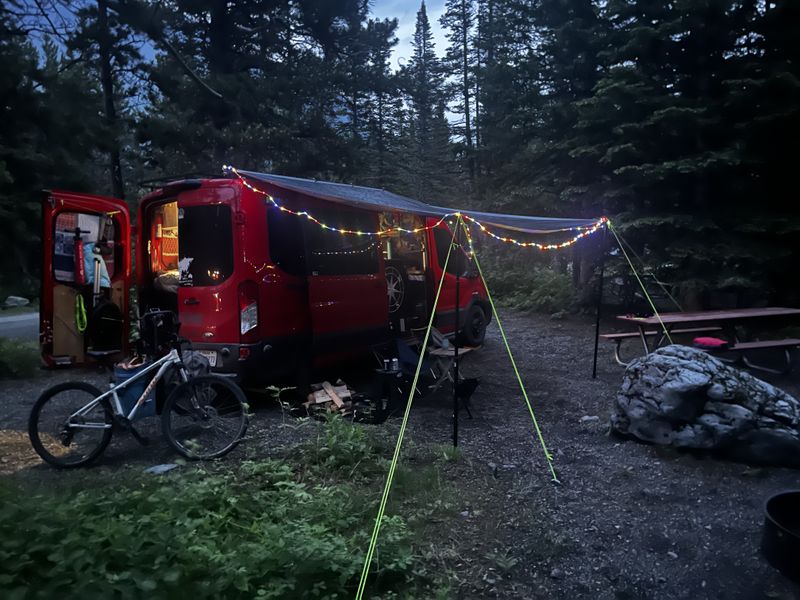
[
  {"x": 474, "y": 330},
  {"x": 395, "y": 287}
]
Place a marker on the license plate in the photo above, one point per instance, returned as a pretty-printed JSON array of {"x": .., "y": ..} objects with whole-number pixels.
[{"x": 211, "y": 355}]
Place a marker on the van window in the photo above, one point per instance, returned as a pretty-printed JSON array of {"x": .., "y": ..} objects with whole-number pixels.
[
  {"x": 459, "y": 263},
  {"x": 332, "y": 253},
  {"x": 286, "y": 241},
  {"x": 163, "y": 240},
  {"x": 205, "y": 244}
]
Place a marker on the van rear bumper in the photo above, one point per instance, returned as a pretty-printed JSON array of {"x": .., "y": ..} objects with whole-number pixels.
[{"x": 265, "y": 361}]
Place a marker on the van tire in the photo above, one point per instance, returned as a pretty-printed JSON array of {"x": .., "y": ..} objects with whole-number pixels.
[{"x": 473, "y": 331}]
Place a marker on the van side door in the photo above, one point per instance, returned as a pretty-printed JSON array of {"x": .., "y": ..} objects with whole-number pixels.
[{"x": 346, "y": 282}]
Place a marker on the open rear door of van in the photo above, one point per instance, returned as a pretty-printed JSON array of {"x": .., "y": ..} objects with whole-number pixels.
[{"x": 86, "y": 278}]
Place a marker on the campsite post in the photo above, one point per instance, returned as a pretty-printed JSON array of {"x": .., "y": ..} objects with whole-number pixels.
[
  {"x": 599, "y": 298},
  {"x": 455, "y": 338}
]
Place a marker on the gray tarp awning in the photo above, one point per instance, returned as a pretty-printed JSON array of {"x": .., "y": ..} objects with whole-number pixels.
[{"x": 381, "y": 200}]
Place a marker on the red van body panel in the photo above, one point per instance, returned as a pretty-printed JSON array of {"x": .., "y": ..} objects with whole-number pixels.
[
  {"x": 470, "y": 286},
  {"x": 304, "y": 315}
]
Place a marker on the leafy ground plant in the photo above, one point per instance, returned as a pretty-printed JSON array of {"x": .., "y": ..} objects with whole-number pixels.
[
  {"x": 539, "y": 290},
  {"x": 260, "y": 529}
]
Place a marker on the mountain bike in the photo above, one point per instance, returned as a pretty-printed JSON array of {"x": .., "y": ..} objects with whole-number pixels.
[{"x": 204, "y": 417}]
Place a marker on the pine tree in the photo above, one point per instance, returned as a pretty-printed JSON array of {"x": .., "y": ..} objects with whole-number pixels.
[
  {"x": 459, "y": 20},
  {"x": 51, "y": 139},
  {"x": 429, "y": 166},
  {"x": 509, "y": 96},
  {"x": 110, "y": 50},
  {"x": 656, "y": 125},
  {"x": 382, "y": 127}
]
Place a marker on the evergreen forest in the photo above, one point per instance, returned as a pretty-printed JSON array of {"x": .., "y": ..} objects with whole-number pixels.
[{"x": 678, "y": 119}]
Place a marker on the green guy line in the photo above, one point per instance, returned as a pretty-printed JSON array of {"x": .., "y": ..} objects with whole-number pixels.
[
  {"x": 387, "y": 487},
  {"x": 547, "y": 454},
  {"x": 645, "y": 267},
  {"x": 641, "y": 284}
]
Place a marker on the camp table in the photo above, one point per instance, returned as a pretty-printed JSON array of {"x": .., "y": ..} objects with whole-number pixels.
[{"x": 726, "y": 320}]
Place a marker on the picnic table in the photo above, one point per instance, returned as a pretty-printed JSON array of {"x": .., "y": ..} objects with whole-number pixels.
[{"x": 709, "y": 321}]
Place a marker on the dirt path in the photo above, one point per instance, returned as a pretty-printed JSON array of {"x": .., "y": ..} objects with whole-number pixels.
[{"x": 627, "y": 521}]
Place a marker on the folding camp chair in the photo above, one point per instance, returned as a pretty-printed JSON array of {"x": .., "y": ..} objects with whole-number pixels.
[
  {"x": 438, "y": 364},
  {"x": 408, "y": 358}
]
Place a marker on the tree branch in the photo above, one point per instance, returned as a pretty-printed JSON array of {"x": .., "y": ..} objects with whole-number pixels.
[
  {"x": 131, "y": 12},
  {"x": 189, "y": 70}
]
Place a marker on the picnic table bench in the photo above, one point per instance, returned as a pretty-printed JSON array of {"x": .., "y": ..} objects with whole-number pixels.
[
  {"x": 618, "y": 338},
  {"x": 726, "y": 321}
]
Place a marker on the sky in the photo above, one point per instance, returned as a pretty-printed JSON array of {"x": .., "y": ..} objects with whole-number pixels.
[{"x": 405, "y": 11}]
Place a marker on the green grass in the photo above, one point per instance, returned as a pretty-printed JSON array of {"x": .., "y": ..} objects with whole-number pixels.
[
  {"x": 293, "y": 528},
  {"x": 18, "y": 359}
]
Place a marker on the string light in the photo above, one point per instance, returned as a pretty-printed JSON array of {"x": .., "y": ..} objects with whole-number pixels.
[
  {"x": 346, "y": 252},
  {"x": 509, "y": 240},
  {"x": 585, "y": 230}
]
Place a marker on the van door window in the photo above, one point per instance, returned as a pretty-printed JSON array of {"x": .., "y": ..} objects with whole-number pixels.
[
  {"x": 286, "y": 241},
  {"x": 333, "y": 253},
  {"x": 205, "y": 244},
  {"x": 459, "y": 263}
]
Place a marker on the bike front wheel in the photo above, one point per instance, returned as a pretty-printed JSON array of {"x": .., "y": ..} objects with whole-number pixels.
[
  {"x": 205, "y": 417},
  {"x": 67, "y": 428}
]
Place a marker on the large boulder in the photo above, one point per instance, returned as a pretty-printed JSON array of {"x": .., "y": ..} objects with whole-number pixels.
[{"x": 686, "y": 398}]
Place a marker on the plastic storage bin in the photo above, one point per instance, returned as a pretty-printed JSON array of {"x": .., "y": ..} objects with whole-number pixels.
[{"x": 130, "y": 394}]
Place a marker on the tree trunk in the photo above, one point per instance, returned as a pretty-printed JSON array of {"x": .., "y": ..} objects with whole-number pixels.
[
  {"x": 465, "y": 55},
  {"x": 107, "y": 84}
]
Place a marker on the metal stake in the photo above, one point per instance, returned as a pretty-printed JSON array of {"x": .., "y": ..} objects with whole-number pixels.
[
  {"x": 599, "y": 299},
  {"x": 455, "y": 338}
]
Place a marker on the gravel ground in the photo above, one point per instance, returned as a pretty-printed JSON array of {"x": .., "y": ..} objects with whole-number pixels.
[{"x": 627, "y": 520}]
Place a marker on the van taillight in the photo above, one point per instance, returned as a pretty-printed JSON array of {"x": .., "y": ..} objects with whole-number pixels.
[{"x": 248, "y": 308}]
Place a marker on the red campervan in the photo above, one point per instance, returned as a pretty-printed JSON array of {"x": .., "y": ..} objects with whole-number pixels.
[{"x": 260, "y": 291}]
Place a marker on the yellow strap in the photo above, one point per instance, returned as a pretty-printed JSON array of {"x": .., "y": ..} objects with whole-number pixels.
[
  {"x": 80, "y": 314},
  {"x": 547, "y": 454},
  {"x": 393, "y": 466},
  {"x": 641, "y": 284}
]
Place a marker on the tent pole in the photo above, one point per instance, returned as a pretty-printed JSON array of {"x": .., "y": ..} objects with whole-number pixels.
[
  {"x": 599, "y": 299},
  {"x": 455, "y": 338}
]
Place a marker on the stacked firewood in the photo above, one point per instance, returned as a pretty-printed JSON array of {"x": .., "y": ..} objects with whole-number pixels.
[{"x": 326, "y": 398}]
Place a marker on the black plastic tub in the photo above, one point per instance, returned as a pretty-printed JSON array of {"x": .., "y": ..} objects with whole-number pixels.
[{"x": 780, "y": 541}]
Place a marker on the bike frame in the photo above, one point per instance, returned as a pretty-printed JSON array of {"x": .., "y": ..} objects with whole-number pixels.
[{"x": 162, "y": 364}]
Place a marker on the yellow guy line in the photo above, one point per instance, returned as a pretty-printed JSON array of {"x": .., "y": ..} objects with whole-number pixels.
[
  {"x": 547, "y": 454},
  {"x": 641, "y": 284},
  {"x": 387, "y": 487}
]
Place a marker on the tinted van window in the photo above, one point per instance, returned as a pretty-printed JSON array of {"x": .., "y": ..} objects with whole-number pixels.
[
  {"x": 205, "y": 245},
  {"x": 286, "y": 241},
  {"x": 459, "y": 262},
  {"x": 332, "y": 253}
]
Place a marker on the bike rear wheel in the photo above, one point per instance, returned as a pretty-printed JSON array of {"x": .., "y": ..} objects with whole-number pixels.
[
  {"x": 205, "y": 417},
  {"x": 65, "y": 439}
]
